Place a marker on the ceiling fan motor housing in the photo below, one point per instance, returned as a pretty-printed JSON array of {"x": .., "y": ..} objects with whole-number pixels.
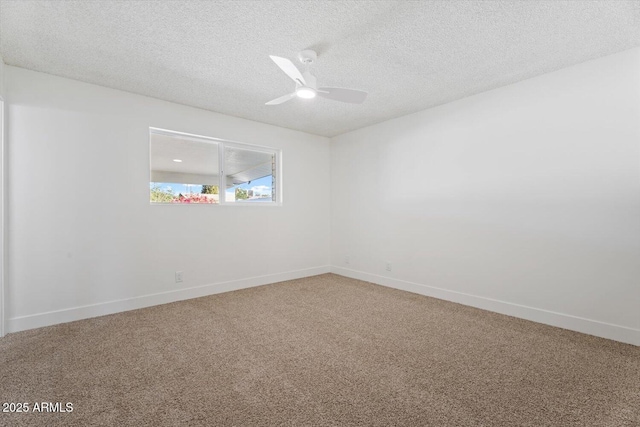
[{"x": 308, "y": 56}]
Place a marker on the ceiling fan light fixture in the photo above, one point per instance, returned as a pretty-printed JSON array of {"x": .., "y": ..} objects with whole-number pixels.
[{"x": 306, "y": 92}]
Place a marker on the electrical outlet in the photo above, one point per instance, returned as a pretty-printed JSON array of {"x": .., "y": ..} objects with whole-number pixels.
[
  {"x": 178, "y": 276},
  {"x": 388, "y": 266},
  {"x": 347, "y": 260}
]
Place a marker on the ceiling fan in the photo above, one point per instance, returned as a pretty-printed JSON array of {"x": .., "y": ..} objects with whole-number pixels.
[{"x": 306, "y": 86}]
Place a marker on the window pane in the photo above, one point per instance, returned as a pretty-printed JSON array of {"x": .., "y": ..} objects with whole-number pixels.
[
  {"x": 183, "y": 170},
  {"x": 250, "y": 175}
]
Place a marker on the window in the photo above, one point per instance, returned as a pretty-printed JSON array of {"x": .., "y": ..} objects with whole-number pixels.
[
  {"x": 186, "y": 169},
  {"x": 249, "y": 175}
]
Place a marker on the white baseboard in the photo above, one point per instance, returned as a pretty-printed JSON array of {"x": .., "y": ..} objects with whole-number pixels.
[
  {"x": 587, "y": 326},
  {"x": 39, "y": 320}
]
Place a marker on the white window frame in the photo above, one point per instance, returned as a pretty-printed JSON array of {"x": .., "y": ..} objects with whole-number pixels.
[{"x": 222, "y": 185}]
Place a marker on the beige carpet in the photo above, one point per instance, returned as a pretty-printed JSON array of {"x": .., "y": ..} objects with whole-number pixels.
[{"x": 325, "y": 350}]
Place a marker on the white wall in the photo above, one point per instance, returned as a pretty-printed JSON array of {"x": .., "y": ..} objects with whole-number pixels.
[
  {"x": 1, "y": 77},
  {"x": 2, "y": 205},
  {"x": 523, "y": 200},
  {"x": 83, "y": 238}
]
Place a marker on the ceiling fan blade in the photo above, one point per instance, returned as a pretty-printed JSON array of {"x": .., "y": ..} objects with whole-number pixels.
[
  {"x": 344, "y": 95},
  {"x": 282, "y": 99},
  {"x": 290, "y": 69}
]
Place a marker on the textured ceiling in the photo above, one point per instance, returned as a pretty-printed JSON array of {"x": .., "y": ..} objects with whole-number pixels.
[{"x": 408, "y": 55}]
